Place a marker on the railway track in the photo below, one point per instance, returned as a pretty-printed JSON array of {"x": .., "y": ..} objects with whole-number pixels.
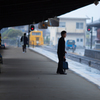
[{"x": 95, "y": 63}]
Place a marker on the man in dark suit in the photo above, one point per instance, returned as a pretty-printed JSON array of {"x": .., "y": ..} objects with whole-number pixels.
[
  {"x": 24, "y": 39},
  {"x": 61, "y": 52}
]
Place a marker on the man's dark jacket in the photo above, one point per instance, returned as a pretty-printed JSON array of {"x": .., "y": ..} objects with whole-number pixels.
[
  {"x": 61, "y": 48},
  {"x": 24, "y": 39}
]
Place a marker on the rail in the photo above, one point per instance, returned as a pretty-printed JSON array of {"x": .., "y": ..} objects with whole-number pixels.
[{"x": 95, "y": 63}]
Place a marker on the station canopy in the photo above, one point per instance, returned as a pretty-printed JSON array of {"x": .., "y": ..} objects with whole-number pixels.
[
  {"x": 23, "y": 12},
  {"x": 94, "y": 24}
]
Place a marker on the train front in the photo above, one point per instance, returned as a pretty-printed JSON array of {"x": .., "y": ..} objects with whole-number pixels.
[{"x": 36, "y": 38}]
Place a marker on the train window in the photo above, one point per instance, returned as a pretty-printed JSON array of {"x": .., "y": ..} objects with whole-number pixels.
[{"x": 36, "y": 33}]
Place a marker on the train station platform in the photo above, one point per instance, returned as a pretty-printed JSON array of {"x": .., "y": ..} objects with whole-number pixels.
[{"x": 31, "y": 76}]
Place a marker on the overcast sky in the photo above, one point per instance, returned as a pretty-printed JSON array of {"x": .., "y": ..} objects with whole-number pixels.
[{"x": 87, "y": 11}]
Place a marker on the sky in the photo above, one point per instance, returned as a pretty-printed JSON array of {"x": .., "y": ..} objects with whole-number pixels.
[{"x": 88, "y": 11}]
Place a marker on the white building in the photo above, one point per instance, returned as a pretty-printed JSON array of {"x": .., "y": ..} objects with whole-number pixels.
[{"x": 75, "y": 27}]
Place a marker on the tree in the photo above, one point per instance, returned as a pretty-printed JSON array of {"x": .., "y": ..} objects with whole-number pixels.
[{"x": 11, "y": 34}]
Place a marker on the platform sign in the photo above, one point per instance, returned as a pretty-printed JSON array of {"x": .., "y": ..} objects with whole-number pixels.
[
  {"x": 43, "y": 25},
  {"x": 53, "y": 22}
]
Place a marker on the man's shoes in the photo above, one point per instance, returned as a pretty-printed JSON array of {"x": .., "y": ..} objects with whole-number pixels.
[
  {"x": 58, "y": 72},
  {"x": 63, "y": 73}
]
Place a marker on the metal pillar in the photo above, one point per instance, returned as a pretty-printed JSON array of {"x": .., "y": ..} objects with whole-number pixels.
[
  {"x": 91, "y": 34},
  {"x": 28, "y": 35},
  {"x": 91, "y": 40}
]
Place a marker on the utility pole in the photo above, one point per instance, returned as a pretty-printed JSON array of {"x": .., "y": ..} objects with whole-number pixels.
[
  {"x": 28, "y": 34},
  {"x": 91, "y": 33},
  {"x": 89, "y": 29},
  {"x": 91, "y": 40}
]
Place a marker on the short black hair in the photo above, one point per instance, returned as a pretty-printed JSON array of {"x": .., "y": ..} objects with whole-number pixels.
[
  {"x": 24, "y": 34},
  {"x": 63, "y": 32}
]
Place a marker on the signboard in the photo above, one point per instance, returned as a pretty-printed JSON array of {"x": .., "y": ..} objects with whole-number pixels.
[
  {"x": 53, "y": 22},
  {"x": 43, "y": 25}
]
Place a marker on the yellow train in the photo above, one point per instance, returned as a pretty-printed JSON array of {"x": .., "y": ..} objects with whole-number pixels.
[{"x": 36, "y": 38}]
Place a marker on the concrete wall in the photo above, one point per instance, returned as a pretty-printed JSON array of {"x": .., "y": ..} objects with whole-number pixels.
[
  {"x": 59, "y": 29},
  {"x": 53, "y": 35}
]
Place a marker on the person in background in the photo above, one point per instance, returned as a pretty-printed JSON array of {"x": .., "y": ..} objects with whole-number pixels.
[
  {"x": 61, "y": 52},
  {"x": 24, "y": 40}
]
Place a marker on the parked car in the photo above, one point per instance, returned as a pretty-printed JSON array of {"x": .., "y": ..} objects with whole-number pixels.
[{"x": 70, "y": 44}]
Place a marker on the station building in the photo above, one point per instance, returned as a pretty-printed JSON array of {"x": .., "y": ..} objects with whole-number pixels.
[{"x": 75, "y": 27}]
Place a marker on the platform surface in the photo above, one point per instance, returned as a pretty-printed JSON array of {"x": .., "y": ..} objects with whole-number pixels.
[{"x": 31, "y": 76}]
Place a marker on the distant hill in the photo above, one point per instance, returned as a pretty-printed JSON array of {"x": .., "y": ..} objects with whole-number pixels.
[{"x": 11, "y": 34}]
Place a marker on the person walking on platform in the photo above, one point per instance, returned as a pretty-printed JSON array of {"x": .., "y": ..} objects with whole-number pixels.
[
  {"x": 24, "y": 40},
  {"x": 61, "y": 52}
]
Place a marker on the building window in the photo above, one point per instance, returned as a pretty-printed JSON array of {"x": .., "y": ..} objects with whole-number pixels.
[
  {"x": 81, "y": 40},
  {"x": 79, "y": 25},
  {"x": 77, "y": 40},
  {"x": 62, "y": 24},
  {"x": 52, "y": 38}
]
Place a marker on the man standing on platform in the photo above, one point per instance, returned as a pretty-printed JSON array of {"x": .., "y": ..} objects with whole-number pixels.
[
  {"x": 24, "y": 40},
  {"x": 61, "y": 52}
]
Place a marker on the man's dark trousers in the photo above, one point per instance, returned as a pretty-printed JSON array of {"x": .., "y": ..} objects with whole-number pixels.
[
  {"x": 24, "y": 47},
  {"x": 60, "y": 65}
]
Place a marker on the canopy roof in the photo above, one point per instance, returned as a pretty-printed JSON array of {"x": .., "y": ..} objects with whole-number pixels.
[
  {"x": 23, "y": 12},
  {"x": 94, "y": 24}
]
